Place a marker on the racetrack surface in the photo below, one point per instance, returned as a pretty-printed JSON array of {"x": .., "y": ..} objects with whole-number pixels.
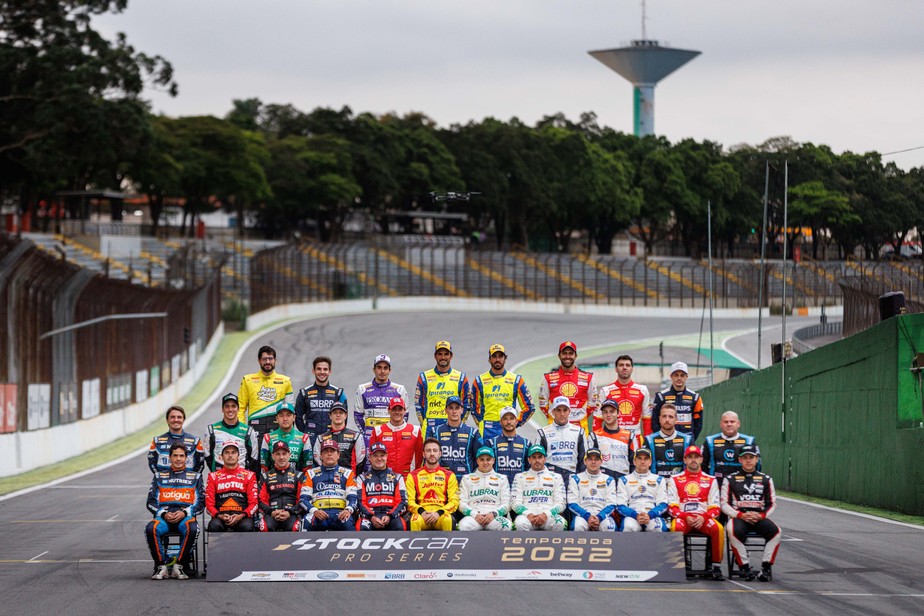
[{"x": 77, "y": 548}]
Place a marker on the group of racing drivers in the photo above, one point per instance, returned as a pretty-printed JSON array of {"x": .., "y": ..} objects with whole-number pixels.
[{"x": 611, "y": 459}]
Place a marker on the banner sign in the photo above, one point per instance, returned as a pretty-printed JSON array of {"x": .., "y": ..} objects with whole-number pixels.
[{"x": 448, "y": 556}]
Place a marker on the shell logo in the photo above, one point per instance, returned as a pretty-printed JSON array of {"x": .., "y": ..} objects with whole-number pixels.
[
  {"x": 626, "y": 407},
  {"x": 692, "y": 489},
  {"x": 568, "y": 389}
]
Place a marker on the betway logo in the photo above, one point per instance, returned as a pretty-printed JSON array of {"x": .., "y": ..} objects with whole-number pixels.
[{"x": 405, "y": 543}]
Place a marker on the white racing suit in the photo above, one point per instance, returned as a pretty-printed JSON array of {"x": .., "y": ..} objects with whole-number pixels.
[
  {"x": 592, "y": 495},
  {"x": 637, "y": 493},
  {"x": 538, "y": 492},
  {"x": 484, "y": 493}
]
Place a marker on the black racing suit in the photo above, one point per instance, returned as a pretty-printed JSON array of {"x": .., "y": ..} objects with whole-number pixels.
[
  {"x": 743, "y": 492},
  {"x": 312, "y": 406},
  {"x": 280, "y": 490}
]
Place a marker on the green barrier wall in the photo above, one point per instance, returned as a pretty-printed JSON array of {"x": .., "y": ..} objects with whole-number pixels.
[{"x": 851, "y": 426}]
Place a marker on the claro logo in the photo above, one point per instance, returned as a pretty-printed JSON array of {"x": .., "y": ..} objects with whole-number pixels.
[{"x": 425, "y": 576}]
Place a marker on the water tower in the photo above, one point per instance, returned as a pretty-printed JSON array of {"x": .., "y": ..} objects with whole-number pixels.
[{"x": 644, "y": 63}]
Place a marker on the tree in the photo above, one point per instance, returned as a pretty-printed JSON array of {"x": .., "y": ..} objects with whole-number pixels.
[
  {"x": 814, "y": 206},
  {"x": 66, "y": 93}
]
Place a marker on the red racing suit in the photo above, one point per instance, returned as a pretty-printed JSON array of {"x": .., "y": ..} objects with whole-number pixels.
[
  {"x": 634, "y": 404},
  {"x": 404, "y": 446},
  {"x": 692, "y": 494},
  {"x": 578, "y": 386},
  {"x": 231, "y": 491}
]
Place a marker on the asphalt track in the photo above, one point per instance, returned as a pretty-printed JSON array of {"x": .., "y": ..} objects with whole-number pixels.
[{"x": 77, "y": 547}]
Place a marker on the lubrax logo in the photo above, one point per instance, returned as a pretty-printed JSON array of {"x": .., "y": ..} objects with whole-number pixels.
[{"x": 377, "y": 543}]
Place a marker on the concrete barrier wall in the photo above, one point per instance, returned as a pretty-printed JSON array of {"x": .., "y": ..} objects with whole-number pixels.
[
  {"x": 24, "y": 451},
  {"x": 844, "y": 422}
]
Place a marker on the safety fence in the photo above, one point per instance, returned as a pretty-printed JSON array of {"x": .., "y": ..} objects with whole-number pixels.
[
  {"x": 64, "y": 358},
  {"x": 821, "y": 418},
  {"x": 861, "y": 301},
  {"x": 310, "y": 271}
]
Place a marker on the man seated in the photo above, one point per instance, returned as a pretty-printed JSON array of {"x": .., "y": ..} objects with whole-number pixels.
[
  {"x": 175, "y": 499},
  {"x": 159, "y": 451},
  {"x": 382, "y": 495},
  {"x": 484, "y": 496},
  {"x": 301, "y": 452},
  {"x": 432, "y": 492},
  {"x": 538, "y": 495},
  {"x": 279, "y": 492},
  {"x": 592, "y": 496},
  {"x": 231, "y": 494},
  {"x": 748, "y": 499},
  {"x": 641, "y": 497},
  {"x": 329, "y": 493},
  {"x": 693, "y": 498}
]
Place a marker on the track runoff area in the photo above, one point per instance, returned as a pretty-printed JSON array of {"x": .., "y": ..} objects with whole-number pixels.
[{"x": 76, "y": 546}]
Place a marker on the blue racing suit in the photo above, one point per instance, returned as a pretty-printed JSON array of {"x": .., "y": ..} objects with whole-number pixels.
[
  {"x": 509, "y": 455},
  {"x": 330, "y": 489},
  {"x": 458, "y": 445},
  {"x": 174, "y": 491}
]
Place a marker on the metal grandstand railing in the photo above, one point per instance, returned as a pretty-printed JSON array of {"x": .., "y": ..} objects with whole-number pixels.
[{"x": 312, "y": 271}]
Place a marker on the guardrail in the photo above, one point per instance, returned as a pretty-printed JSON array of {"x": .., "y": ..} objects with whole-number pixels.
[{"x": 800, "y": 337}]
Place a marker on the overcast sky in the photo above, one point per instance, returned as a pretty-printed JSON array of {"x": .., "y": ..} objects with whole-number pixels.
[{"x": 847, "y": 73}]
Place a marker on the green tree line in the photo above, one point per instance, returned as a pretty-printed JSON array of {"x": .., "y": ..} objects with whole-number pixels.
[{"x": 72, "y": 117}]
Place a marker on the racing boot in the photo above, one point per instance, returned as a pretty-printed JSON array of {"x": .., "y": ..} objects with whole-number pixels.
[
  {"x": 178, "y": 574},
  {"x": 717, "y": 573},
  {"x": 747, "y": 573},
  {"x": 161, "y": 573},
  {"x": 766, "y": 572}
]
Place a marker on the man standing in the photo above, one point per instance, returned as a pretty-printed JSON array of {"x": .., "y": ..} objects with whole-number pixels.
[
  {"x": 382, "y": 495},
  {"x": 231, "y": 430},
  {"x": 641, "y": 497},
  {"x": 538, "y": 495},
  {"x": 279, "y": 492},
  {"x": 329, "y": 494},
  {"x": 693, "y": 498},
  {"x": 159, "y": 452},
  {"x": 563, "y": 440},
  {"x": 615, "y": 442},
  {"x": 573, "y": 383},
  {"x": 721, "y": 451},
  {"x": 633, "y": 401},
  {"x": 299, "y": 444},
  {"x": 432, "y": 492},
  {"x": 748, "y": 499},
  {"x": 313, "y": 402},
  {"x": 231, "y": 494},
  {"x": 435, "y": 386},
  {"x": 484, "y": 496},
  {"x": 261, "y": 391},
  {"x": 509, "y": 447},
  {"x": 352, "y": 444},
  {"x": 688, "y": 404},
  {"x": 496, "y": 389},
  {"x": 402, "y": 441},
  {"x": 458, "y": 442},
  {"x": 370, "y": 408},
  {"x": 667, "y": 445},
  {"x": 592, "y": 496},
  {"x": 175, "y": 499}
]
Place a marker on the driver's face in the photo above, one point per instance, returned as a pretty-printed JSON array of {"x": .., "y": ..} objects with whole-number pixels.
[{"x": 267, "y": 363}]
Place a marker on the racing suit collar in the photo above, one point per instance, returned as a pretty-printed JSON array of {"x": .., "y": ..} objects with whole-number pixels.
[
  {"x": 671, "y": 435},
  {"x": 227, "y": 425},
  {"x": 399, "y": 427},
  {"x": 284, "y": 468},
  {"x": 492, "y": 373},
  {"x": 381, "y": 385},
  {"x": 608, "y": 431},
  {"x": 436, "y": 370},
  {"x": 330, "y": 468}
]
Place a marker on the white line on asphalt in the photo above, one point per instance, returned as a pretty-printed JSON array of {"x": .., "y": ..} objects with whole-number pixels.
[
  {"x": 135, "y": 486},
  {"x": 788, "y": 538},
  {"x": 38, "y": 555},
  {"x": 113, "y": 518},
  {"x": 746, "y": 587},
  {"x": 854, "y": 513}
]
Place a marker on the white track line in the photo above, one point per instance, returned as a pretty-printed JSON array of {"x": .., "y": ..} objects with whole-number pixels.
[{"x": 854, "y": 513}]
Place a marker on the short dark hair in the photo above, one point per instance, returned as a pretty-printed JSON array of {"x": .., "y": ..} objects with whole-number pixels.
[
  {"x": 176, "y": 446},
  {"x": 322, "y": 358},
  {"x": 669, "y": 405},
  {"x": 432, "y": 440},
  {"x": 266, "y": 349},
  {"x": 175, "y": 407},
  {"x": 621, "y": 357}
]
